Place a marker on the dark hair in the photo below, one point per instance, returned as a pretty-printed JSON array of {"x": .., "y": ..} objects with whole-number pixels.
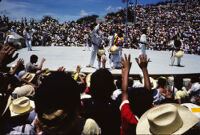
[
  {"x": 162, "y": 82},
  {"x": 178, "y": 82},
  {"x": 102, "y": 84},
  {"x": 130, "y": 82},
  {"x": 119, "y": 83},
  {"x": 58, "y": 91},
  {"x": 177, "y": 43},
  {"x": 92, "y": 26},
  {"x": 34, "y": 58},
  {"x": 144, "y": 31},
  {"x": 140, "y": 100}
]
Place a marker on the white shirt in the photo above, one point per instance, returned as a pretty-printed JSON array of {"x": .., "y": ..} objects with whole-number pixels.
[{"x": 143, "y": 39}]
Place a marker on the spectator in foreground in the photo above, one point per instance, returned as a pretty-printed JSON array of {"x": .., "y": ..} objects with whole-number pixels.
[
  {"x": 57, "y": 102},
  {"x": 32, "y": 67},
  {"x": 158, "y": 94},
  {"x": 167, "y": 119},
  {"x": 101, "y": 107},
  {"x": 137, "y": 101}
]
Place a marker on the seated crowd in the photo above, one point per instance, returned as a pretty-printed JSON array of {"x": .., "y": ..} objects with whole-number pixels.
[
  {"x": 34, "y": 100},
  {"x": 162, "y": 22}
]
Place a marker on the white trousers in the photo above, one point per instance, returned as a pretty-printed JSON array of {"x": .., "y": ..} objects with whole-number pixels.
[
  {"x": 143, "y": 49},
  {"x": 29, "y": 45},
  {"x": 178, "y": 60},
  {"x": 93, "y": 55}
]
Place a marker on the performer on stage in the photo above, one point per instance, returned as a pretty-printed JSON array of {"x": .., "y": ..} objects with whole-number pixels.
[
  {"x": 116, "y": 50},
  {"x": 143, "y": 42},
  {"x": 86, "y": 38},
  {"x": 28, "y": 38},
  {"x": 96, "y": 40},
  {"x": 176, "y": 52}
]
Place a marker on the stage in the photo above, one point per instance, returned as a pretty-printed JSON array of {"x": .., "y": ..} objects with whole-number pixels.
[{"x": 70, "y": 57}]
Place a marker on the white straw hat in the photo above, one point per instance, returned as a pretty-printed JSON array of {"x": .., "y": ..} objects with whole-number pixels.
[
  {"x": 88, "y": 79},
  {"x": 166, "y": 119},
  {"x": 152, "y": 81},
  {"x": 28, "y": 76},
  {"x": 91, "y": 128},
  {"x": 26, "y": 90},
  {"x": 21, "y": 106}
]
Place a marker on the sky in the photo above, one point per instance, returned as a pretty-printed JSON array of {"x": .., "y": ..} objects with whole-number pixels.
[{"x": 62, "y": 10}]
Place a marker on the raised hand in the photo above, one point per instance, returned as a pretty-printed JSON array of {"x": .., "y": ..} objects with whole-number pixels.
[
  {"x": 19, "y": 62},
  {"x": 78, "y": 69},
  {"x": 126, "y": 63},
  {"x": 61, "y": 69},
  {"x": 6, "y": 56},
  {"x": 103, "y": 62},
  {"x": 143, "y": 61},
  {"x": 125, "y": 66},
  {"x": 43, "y": 60}
]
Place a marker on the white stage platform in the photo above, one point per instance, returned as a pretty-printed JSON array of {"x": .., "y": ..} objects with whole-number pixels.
[{"x": 70, "y": 57}]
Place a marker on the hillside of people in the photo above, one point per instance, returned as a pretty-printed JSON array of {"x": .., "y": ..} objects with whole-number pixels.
[{"x": 163, "y": 22}]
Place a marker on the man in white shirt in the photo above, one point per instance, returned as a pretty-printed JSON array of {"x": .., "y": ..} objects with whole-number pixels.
[
  {"x": 28, "y": 38},
  {"x": 86, "y": 37},
  {"x": 96, "y": 39},
  {"x": 143, "y": 42}
]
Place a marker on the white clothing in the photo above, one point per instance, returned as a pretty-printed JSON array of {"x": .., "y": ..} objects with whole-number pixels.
[
  {"x": 96, "y": 39},
  {"x": 143, "y": 42}
]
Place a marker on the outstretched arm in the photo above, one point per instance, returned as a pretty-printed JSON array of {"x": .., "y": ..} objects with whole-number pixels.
[
  {"x": 19, "y": 62},
  {"x": 125, "y": 67},
  {"x": 6, "y": 57},
  {"x": 142, "y": 63},
  {"x": 41, "y": 64}
]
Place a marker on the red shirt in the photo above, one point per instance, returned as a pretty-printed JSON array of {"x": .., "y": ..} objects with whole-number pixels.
[{"x": 127, "y": 118}]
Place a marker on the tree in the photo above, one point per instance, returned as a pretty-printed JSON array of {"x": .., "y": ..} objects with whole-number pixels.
[
  {"x": 87, "y": 19},
  {"x": 48, "y": 17}
]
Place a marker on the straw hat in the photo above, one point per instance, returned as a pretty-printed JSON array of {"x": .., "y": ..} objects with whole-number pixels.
[
  {"x": 100, "y": 52},
  {"x": 28, "y": 76},
  {"x": 186, "y": 81},
  {"x": 152, "y": 81},
  {"x": 170, "y": 80},
  {"x": 88, "y": 79},
  {"x": 21, "y": 106},
  {"x": 179, "y": 54},
  {"x": 26, "y": 90},
  {"x": 91, "y": 128},
  {"x": 166, "y": 119},
  {"x": 114, "y": 49}
]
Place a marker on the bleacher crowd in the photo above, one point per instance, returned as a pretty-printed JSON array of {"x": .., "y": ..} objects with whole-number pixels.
[{"x": 163, "y": 22}]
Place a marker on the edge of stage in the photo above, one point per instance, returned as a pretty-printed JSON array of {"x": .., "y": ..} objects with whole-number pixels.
[{"x": 70, "y": 57}]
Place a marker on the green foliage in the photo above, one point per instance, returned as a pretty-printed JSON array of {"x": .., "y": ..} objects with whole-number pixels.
[
  {"x": 87, "y": 19},
  {"x": 47, "y": 18}
]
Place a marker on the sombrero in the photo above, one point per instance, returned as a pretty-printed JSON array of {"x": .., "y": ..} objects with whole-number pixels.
[{"x": 166, "y": 119}]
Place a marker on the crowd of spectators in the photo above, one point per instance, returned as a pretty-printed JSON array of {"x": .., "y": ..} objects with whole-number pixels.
[
  {"x": 162, "y": 22},
  {"x": 34, "y": 100}
]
